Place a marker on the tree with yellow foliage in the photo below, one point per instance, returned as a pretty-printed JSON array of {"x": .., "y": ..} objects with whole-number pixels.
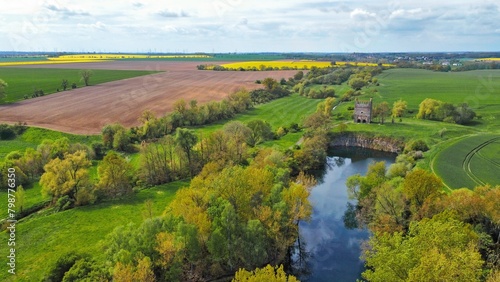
[{"x": 267, "y": 273}]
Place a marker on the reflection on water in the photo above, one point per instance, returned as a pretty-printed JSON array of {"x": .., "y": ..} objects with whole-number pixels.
[{"x": 334, "y": 249}]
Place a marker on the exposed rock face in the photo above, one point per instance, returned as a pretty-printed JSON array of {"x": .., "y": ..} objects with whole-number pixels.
[{"x": 366, "y": 141}]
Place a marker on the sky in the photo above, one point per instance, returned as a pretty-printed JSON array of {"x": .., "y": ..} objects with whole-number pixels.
[{"x": 220, "y": 26}]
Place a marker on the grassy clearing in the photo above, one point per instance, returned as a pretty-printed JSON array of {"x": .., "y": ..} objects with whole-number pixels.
[
  {"x": 23, "y": 81},
  {"x": 280, "y": 112},
  {"x": 460, "y": 163},
  {"x": 41, "y": 240}
]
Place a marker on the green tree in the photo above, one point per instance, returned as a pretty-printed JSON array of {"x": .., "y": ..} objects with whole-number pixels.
[
  {"x": 420, "y": 185},
  {"x": 298, "y": 76},
  {"x": 108, "y": 134},
  {"x": 3, "y": 85},
  {"x": 64, "y": 84},
  {"x": 157, "y": 161},
  {"x": 464, "y": 114},
  {"x": 186, "y": 139},
  {"x": 429, "y": 109},
  {"x": 398, "y": 108},
  {"x": 357, "y": 83},
  {"x": 267, "y": 273},
  {"x": 269, "y": 83},
  {"x": 438, "y": 249},
  {"x": 86, "y": 75},
  {"x": 69, "y": 176},
  {"x": 328, "y": 106},
  {"x": 115, "y": 176},
  {"x": 261, "y": 131},
  {"x": 381, "y": 111},
  {"x": 121, "y": 140}
]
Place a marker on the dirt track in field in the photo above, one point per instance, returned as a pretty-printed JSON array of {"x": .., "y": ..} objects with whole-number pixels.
[{"x": 87, "y": 110}]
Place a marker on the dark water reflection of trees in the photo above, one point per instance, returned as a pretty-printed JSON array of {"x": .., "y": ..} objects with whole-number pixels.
[{"x": 329, "y": 245}]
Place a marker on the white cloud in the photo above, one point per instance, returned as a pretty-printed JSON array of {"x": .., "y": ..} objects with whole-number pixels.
[
  {"x": 167, "y": 13},
  {"x": 360, "y": 13},
  {"x": 98, "y": 25},
  {"x": 416, "y": 13},
  {"x": 64, "y": 11},
  {"x": 254, "y": 25}
]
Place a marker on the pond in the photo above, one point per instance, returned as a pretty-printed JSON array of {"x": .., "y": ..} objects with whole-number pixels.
[{"x": 331, "y": 250}]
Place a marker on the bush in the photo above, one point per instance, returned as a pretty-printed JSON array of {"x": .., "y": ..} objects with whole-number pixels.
[
  {"x": 416, "y": 145},
  {"x": 7, "y": 132},
  {"x": 293, "y": 128},
  {"x": 99, "y": 150},
  {"x": 63, "y": 264},
  {"x": 73, "y": 86}
]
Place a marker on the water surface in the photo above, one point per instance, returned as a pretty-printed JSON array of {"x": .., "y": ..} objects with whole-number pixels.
[{"x": 334, "y": 249}]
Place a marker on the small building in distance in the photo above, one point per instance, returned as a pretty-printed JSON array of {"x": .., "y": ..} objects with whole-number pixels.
[{"x": 363, "y": 111}]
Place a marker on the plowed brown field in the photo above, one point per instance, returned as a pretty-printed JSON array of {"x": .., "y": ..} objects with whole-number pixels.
[{"x": 87, "y": 110}]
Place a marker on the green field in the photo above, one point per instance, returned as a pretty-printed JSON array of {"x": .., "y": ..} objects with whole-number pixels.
[
  {"x": 23, "y": 81},
  {"x": 42, "y": 239},
  {"x": 480, "y": 89},
  {"x": 22, "y": 59},
  {"x": 469, "y": 161},
  {"x": 279, "y": 112}
]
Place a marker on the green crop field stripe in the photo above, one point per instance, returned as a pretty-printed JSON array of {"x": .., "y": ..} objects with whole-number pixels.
[
  {"x": 463, "y": 155},
  {"x": 467, "y": 162}
]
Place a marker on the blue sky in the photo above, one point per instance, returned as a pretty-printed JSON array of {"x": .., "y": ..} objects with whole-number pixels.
[{"x": 250, "y": 26}]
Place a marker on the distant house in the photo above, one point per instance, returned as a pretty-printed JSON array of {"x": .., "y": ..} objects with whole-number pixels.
[{"x": 363, "y": 111}]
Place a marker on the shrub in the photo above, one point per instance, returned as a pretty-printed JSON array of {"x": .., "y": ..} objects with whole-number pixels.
[
  {"x": 6, "y": 132},
  {"x": 63, "y": 264},
  {"x": 416, "y": 145}
]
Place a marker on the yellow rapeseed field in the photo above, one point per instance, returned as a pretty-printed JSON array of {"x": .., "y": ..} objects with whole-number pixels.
[
  {"x": 301, "y": 64},
  {"x": 124, "y": 56},
  {"x": 490, "y": 59},
  {"x": 93, "y": 58}
]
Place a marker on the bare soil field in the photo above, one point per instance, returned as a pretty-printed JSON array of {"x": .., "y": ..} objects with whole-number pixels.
[{"x": 87, "y": 110}]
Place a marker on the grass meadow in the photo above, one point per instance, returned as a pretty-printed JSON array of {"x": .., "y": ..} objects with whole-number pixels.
[
  {"x": 279, "y": 113},
  {"x": 42, "y": 239},
  {"x": 23, "y": 81},
  {"x": 480, "y": 89}
]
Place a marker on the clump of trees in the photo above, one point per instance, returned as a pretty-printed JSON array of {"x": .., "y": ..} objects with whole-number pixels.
[
  {"x": 438, "y": 110},
  {"x": 267, "y": 273},
  {"x": 8, "y": 132},
  {"x": 415, "y": 222},
  {"x": 229, "y": 218},
  {"x": 313, "y": 150},
  {"x": 272, "y": 90},
  {"x": 364, "y": 77}
]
